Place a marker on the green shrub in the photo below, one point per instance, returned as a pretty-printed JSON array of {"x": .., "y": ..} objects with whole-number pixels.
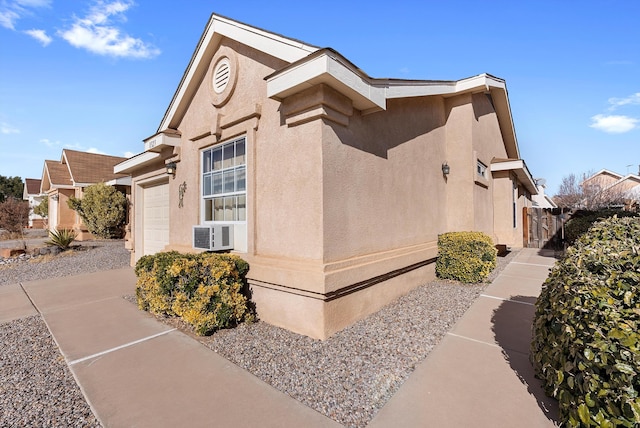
[
  {"x": 582, "y": 220},
  {"x": 465, "y": 256},
  {"x": 585, "y": 344},
  {"x": 103, "y": 209},
  {"x": 61, "y": 238},
  {"x": 205, "y": 290},
  {"x": 42, "y": 209}
]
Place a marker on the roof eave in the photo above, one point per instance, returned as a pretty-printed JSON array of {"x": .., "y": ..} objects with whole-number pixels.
[{"x": 519, "y": 168}]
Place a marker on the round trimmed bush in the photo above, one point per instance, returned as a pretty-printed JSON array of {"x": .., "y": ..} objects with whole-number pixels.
[{"x": 465, "y": 256}]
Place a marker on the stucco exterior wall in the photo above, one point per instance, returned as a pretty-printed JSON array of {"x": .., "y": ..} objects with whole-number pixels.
[
  {"x": 382, "y": 179},
  {"x": 344, "y": 207}
]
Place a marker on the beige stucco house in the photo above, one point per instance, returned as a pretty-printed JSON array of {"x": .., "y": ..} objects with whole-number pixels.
[
  {"x": 68, "y": 178},
  {"x": 608, "y": 188},
  {"x": 332, "y": 184}
]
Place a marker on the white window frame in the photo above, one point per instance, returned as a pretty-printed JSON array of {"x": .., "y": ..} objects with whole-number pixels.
[
  {"x": 481, "y": 169},
  {"x": 236, "y": 168}
]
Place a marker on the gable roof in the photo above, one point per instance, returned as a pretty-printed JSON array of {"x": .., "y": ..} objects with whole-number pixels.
[
  {"x": 90, "y": 168},
  {"x": 32, "y": 186},
  {"x": 603, "y": 172},
  {"x": 55, "y": 174},
  {"x": 79, "y": 169},
  {"x": 278, "y": 46}
]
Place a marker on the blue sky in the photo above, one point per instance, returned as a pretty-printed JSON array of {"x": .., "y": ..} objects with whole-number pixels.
[{"x": 99, "y": 75}]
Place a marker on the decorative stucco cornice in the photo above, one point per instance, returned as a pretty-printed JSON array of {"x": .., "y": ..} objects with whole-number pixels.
[{"x": 328, "y": 67}]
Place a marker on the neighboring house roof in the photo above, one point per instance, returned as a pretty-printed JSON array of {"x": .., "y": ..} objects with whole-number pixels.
[
  {"x": 603, "y": 174},
  {"x": 80, "y": 169},
  {"x": 90, "y": 168},
  {"x": 32, "y": 186},
  {"x": 55, "y": 174},
  {"x": 309, "y": 65}
]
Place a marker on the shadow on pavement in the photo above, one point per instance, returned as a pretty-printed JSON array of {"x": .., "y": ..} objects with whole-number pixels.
[{"x": 512, "y": 322}]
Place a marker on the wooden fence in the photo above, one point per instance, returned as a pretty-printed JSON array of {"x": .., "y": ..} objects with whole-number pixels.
[{"x": 543, "y": 228}]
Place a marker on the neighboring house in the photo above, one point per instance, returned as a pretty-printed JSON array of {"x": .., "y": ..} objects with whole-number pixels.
[
  {"x": 609, "y": 189},
  {"x": 31, "y": 193},
  {"x": 68, "y": 178},
  {"x": 541, "y": 200},
  {"x": 599, "y": 181},
  {"x": 333, "y": 185}
]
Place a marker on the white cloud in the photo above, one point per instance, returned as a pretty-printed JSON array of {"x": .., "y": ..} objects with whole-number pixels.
[
  {"x": 633, "y": 99},
  {"x": 40, "y": 35},
  {"x": 97, "y": 33},
  {"x": 613, "y": 124},
  {"x": 7, "y": 129},
  {"x": 12, "y": 11},
  {"x": 129, "y": 154}
]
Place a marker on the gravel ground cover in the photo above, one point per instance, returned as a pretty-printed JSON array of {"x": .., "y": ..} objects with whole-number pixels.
[
  {"x": 88, "y": 256},
  {"x": 37, "y": 388},
  {"x": 351, "y": 375},
  {"x": 348, "y": 377}
]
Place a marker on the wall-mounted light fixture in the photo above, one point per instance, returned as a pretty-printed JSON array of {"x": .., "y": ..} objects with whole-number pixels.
[
  {"x": 171, "y": 168},
  {"x": 445, "y": 168}
]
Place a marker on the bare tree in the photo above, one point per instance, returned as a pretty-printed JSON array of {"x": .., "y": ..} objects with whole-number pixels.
[
  {"x": 569, "y": 193},
  {"x": 592, "y": 192}
]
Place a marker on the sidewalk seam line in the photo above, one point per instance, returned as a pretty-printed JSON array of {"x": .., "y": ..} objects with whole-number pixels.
[
  {"x": 474, "y": 340},
  {"x": 126, "y": 345},
  {"x": 30, "y": 300},
  {"x": 507, "y": 300},
  {"x": 531, "y": 264}
]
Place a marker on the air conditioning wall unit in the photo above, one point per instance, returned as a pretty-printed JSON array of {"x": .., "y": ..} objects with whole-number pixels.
[{"x": 213, "y": 237}]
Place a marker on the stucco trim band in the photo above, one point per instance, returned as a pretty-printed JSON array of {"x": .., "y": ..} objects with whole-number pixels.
[{"x": 336, "y": 294}]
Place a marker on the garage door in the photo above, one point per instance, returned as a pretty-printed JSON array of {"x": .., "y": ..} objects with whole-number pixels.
[{"x": 156, "y": 218}]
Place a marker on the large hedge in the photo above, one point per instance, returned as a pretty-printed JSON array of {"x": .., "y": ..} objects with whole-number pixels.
[
  {"x": 585, "y": 335},
  {"x": 465, "y": 256},
  {"x": 205, "y": 290},
  {"x": 582, "y": 220}
]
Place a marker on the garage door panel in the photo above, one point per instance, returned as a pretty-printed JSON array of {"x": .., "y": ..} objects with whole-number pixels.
[{"x": 156, "y": 218}]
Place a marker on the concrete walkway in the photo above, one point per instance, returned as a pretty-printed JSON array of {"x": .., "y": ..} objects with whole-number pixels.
[{"x": 136, "y": 371}]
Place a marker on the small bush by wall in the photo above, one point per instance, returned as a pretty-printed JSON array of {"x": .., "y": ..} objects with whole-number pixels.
[
  {"x": 465, "y": 256},
  {"x": 586, "y": 345},
  {"x": 205, "y": 290}
]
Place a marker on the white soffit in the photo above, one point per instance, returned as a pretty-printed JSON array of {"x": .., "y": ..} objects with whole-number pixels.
[
  {"x": 520, "y": 169},
  {"x": 329, "y": 69},
  {"x": 135, "y": 162}
]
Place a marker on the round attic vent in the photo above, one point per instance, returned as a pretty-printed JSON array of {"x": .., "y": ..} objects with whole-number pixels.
[{"x": 221, "y": 76}]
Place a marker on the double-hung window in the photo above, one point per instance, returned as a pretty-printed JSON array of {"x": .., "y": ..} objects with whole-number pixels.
[{"x": 224, "y": 182}]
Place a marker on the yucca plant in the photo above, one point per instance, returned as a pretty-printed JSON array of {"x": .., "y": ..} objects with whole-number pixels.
[{"x": 61, "y": 238}]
